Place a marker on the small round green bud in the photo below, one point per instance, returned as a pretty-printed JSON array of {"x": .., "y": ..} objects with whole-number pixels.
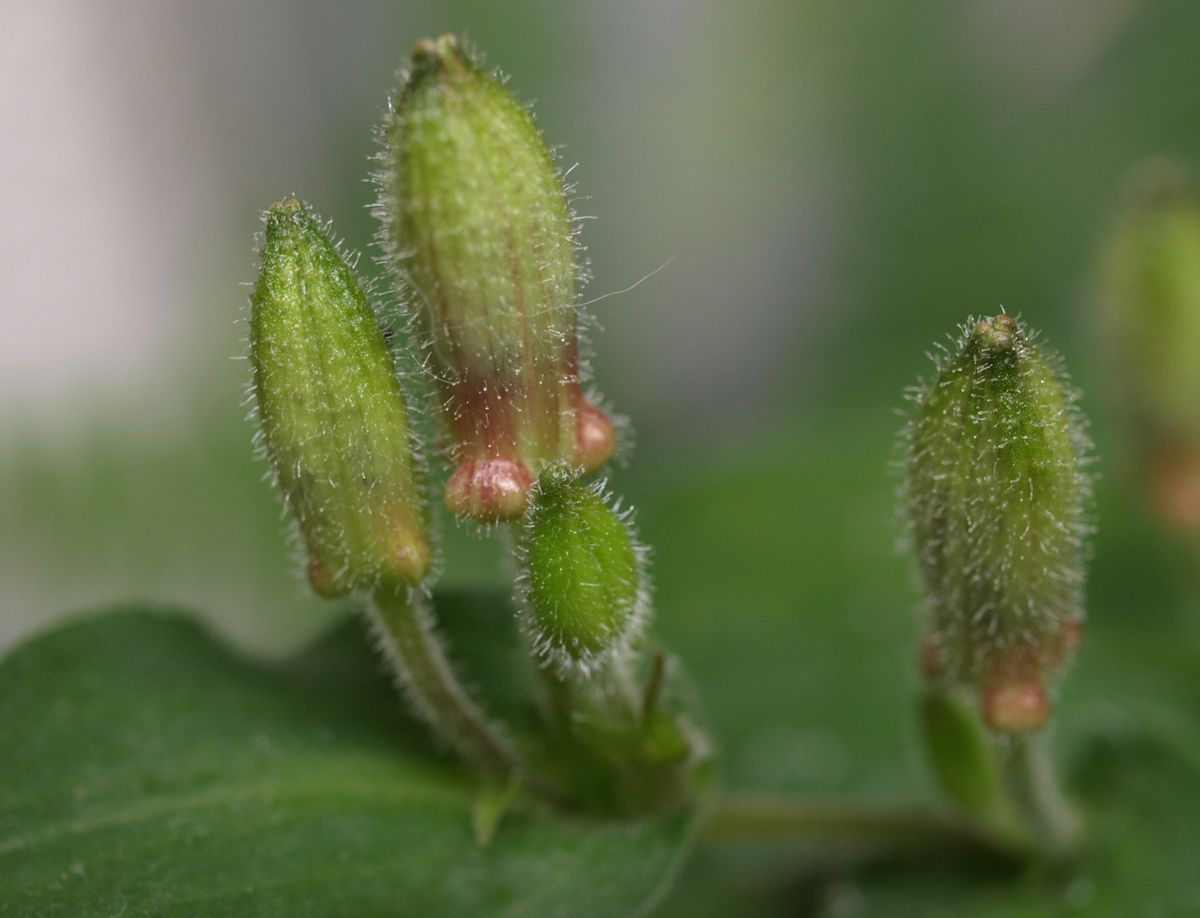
[
  {"x": 333, "y": 419},
  {"x": 582, "y": 586},
  {"x": 1150, "y": 295},
  {"x": 997, "y": 490},
  {"x": 478, "y": 225}
]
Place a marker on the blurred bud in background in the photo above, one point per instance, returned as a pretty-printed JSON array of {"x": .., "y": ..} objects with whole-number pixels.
[{"x": 1150, "y": 297}]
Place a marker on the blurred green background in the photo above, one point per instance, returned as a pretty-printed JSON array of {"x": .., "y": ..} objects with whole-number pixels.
[{"x": 837, "y": 184}]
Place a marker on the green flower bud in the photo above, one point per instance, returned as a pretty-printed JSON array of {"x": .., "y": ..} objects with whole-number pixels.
[
  {"x": 1151, "y": 305},
  {"x": 582, "y": 588},
  {"x": 477, "y": 221},
  {"x": 996, "y": 490},
  {"x": 334, "y": 423}
]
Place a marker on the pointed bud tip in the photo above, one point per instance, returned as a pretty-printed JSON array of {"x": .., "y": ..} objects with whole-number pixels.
[
  {"x": 440, "y": 47},
  {"x": 998, "y": 333},
  {"x": 289, "y": 219},
  {"x": 435, "y": 56},
  {"x": 287, "y": 209}
]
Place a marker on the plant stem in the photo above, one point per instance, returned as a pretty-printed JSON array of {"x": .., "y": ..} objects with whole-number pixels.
[
  {"x": 403, "y": 623},
  {"x": 1037, "y": 796},
  {"x": 764, "y": 817}
]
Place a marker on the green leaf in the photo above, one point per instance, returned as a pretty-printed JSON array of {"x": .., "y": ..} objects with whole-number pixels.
[{"x": 148, "y": 769}]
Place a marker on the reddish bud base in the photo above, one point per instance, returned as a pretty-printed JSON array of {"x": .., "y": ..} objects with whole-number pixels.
[{"x": 1014, "y": 695}]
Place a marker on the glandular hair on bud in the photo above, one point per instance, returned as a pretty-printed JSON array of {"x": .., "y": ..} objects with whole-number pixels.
[
  {"x": 583, "y": 594},
  {"x": 334, "y": 423},
  {"x": 1150, "y": 304},
  {"x": 477, "y": 224},
  {"x": 997, "y": 490}
]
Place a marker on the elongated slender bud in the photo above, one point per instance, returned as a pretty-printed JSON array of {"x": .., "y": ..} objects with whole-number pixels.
[
  {"x": 1151, "y": 303},
  {"x": 334, "y": 422},
  {"x": 478, "y": 225},
  {"x": 583, "y": 597},
  {"x": 996, "y": 490}
]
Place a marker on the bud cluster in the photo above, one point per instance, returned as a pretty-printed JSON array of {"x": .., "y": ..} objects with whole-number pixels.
[{"x": 478, "y": 227}]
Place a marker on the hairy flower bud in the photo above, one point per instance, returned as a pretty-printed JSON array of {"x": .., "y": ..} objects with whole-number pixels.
[
  {"x": 1151, "y": 304},
  {"x": 334, "y": 422},
  {"x": 477, "y": 221},
  {"x": 582, "y": 584},
  {"x": 996, "y": 494}
]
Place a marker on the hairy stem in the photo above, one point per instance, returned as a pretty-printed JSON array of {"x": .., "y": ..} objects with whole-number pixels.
[
  {"x": 403, "y": 622},
  {"x": 1046, "y": 813}
]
